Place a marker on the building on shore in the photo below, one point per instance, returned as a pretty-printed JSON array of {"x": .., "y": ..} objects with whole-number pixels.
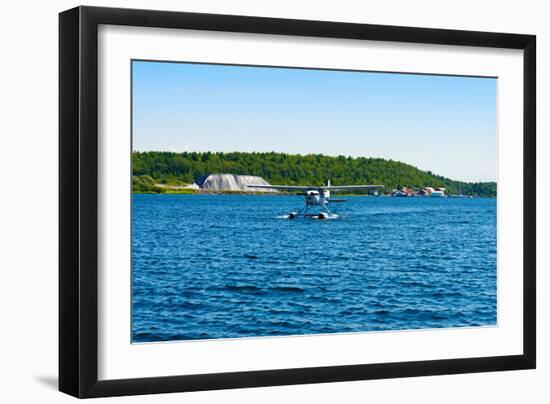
[{"x": 426, "y": 191}]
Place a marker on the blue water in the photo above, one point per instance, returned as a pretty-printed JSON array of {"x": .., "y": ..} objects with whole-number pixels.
[{"x": 226, "y": 266}]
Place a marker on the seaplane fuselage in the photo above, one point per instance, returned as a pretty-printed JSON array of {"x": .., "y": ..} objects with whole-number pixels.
[{"x": 317, "y": 198}]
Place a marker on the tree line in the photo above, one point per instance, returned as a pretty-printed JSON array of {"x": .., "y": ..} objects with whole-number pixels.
[{"x": 171, "y": 168}]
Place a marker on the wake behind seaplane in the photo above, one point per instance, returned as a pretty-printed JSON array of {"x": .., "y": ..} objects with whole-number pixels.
[{"x": 316, "y": 196}]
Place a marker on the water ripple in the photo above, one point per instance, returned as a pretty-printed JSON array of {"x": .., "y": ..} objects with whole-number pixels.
[{"x": 209, "y": 267}]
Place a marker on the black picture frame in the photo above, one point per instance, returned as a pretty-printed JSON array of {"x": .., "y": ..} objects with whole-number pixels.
[{"x": 78, "y": 201}]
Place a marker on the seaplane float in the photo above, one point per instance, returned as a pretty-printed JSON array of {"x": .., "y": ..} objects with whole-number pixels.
[{"x": 316, "y": 197}]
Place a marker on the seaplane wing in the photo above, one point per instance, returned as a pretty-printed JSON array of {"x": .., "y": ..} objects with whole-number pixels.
[
  {"x": 317, "y": 187},
  {"x": 283, "y": 187},
  {"x": 349, "y": 187}
]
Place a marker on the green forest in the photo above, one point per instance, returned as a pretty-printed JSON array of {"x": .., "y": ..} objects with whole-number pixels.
[{"x": 152, "y": 168}]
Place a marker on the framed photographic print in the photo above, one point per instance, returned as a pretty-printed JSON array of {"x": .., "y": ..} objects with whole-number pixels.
[{"x": 250, "y": 201}]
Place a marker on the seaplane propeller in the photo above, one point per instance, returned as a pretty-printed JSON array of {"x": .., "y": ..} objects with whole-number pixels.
[{"x": 316, "y": 196}]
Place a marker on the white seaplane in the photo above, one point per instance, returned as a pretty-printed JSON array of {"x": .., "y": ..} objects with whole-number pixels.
[{"x": 317, "y": 196}]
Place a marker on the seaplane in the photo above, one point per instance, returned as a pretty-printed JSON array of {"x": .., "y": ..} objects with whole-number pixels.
[{"x": 316, "y": 197}]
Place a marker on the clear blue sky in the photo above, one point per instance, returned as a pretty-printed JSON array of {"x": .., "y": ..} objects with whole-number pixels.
[{"x": 439, "y": 123}]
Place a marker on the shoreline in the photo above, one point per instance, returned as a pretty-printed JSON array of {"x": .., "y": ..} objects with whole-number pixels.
[{"x": 239, "y": 193}]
